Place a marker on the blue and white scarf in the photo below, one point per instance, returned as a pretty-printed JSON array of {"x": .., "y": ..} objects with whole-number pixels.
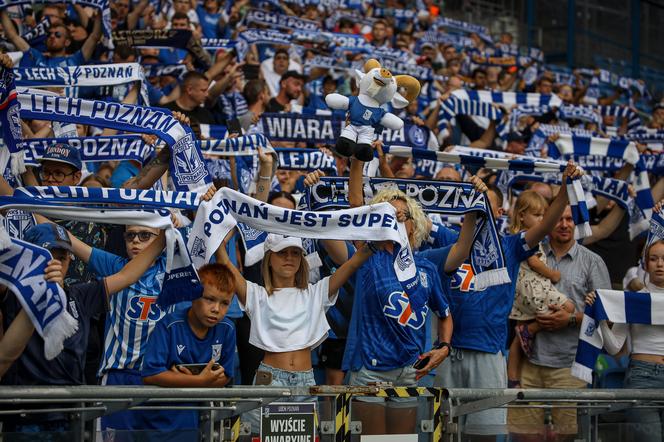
[
  {"x": 455, "y": 106},
  {"x": 102, "y": 5},
  {"x": 37, "y": 35},
  {"x": 450, "y": 23},
  {"x": 508, "y": 98},
  {"x": 605, "y": 147},
  {"x": 633, "y": 120},
  {"x": 618, "y": 307},
  {"x": 22, "y": 267},
  {"x": 480, "y": 158},
  {"x": 94, "y": 149},
  {"x": 583, "y": 113},
  {"x": 459, "y": 41},
  {"x": 164, "y": 70},
  {"x": 306, "y": 160},
  {"x": 122, "y": 206},
  {"x": 487, "y": 258},
  {"x": 10, "y": 123},
  {"x": 217, "y": 217},
  {"x": 187, "y": 167},
  {"x": 280, "y": 21},
  {"x": 87, "y": 75}
]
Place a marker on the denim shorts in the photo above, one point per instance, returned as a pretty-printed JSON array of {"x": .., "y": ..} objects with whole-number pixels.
[
  {"x": 399, "y": 377},
  {"x": 286, "y": 378},
  {"x": 280, "y": 378}
]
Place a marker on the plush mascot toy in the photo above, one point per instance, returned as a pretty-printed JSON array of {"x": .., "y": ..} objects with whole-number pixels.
[{"x": 377, "y": 87}]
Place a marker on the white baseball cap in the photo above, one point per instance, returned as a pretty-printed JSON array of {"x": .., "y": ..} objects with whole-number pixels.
[{"x": 277, "y": 243}]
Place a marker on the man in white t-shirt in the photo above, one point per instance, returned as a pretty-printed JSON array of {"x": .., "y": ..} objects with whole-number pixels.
[{"x": 273, "y": 68}]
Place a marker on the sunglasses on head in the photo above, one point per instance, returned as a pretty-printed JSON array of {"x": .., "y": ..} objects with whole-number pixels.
[{"x": 143, "y": 236}]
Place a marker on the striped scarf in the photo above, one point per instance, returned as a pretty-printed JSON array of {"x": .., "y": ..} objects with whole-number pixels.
[
  {"x": 454, "y": 106},
  {"x": 618, "y": 307}
]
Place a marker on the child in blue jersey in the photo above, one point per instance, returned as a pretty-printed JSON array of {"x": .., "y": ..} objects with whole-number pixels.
[
  {"x": 387, "y": 333},
  {"x": 198, "y": 335}
]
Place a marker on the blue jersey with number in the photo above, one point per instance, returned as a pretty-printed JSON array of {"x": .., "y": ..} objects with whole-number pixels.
[
  {"x": 387, "y": 328},
  {"x": 480, "y": 318},
  {"x": 133, "y": 312},
  {"x": 361, "y": 115}
]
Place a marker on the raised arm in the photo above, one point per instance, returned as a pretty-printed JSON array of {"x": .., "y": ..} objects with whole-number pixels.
[
  {"x": 343, "y": 273},
  {"x": 537, "y": 233},
  {"x": 606, "y": 227},
  {"x": 461, "y": 249},
  {"x": 11, "y": 33},
  {"x": 90, "y": 44},
  {"x": 265, "y": 170},
  {"x": 355, "y": 192},
  {"x": 134, "y": 269},
  {"x": 238, "y": 279},
  {"x": 15, "y": 339}
]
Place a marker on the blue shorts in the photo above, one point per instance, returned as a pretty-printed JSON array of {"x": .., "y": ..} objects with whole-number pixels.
[{"x": 399, "y": 377}]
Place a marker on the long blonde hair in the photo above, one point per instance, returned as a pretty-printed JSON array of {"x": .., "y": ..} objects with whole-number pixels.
[
  {"x": 527, "y": 201},
  {"x": 301, "y": 276},
  {"x": 419, "y": 218}
]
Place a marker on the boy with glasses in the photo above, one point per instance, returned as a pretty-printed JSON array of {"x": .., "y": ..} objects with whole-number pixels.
[
  {"x": 133, "y": 315},
  {"x": 84, "y": 300}
]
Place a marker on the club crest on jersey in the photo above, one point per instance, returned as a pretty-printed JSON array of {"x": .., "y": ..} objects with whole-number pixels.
[
  {"x": 216, "y": 351},
  {"x": 398, "y": 307},
  {"x": 463, "y": 279}
]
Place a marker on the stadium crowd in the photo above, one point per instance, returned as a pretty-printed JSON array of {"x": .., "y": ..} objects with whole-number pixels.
[{"x": 280, "y": 76}]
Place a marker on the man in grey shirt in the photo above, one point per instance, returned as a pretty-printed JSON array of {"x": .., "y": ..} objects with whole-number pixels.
[{"x": 581, "y": 271}]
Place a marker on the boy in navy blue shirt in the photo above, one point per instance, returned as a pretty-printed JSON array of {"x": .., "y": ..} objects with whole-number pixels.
[{"x": 198, "y": 335}]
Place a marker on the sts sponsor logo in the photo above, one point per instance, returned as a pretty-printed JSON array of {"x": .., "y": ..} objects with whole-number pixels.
[
  {"x": 143, "y": 308},
  {"x": 464, "y": 279},
  {"x": 398, "y": 307}
]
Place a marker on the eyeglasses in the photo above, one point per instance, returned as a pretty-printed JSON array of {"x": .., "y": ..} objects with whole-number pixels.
[
  {"x": 143, "y": 236},
  {"x": 57, "y": 175},
  {"x": 57, "y": 34}
]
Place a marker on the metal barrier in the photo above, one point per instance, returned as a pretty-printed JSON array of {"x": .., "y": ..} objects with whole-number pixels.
[{"x": 220, "y": 409}]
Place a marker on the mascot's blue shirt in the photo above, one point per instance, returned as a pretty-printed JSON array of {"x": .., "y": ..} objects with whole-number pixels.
[{"x": 361, "y": 115}]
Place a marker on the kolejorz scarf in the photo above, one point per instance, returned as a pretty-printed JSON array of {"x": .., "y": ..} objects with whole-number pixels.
[{"x": 487, "y": 258}]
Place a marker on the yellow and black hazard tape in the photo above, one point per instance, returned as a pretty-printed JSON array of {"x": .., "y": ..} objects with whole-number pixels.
[
  {"x": 233, "y": 424},
  {"x": 342, "y": 417},
  {"x": 408, "y": 392}
]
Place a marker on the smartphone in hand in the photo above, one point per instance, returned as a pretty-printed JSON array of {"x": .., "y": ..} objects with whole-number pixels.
[{"x": 421, "y": 363}]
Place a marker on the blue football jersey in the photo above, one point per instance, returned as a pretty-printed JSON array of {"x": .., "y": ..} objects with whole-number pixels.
[
  {"x": 361, "y": 115},
  {"x": 133, "y": 312},
  {"x": 387, "y": 328},
  {"x": 481, "y": 317}
]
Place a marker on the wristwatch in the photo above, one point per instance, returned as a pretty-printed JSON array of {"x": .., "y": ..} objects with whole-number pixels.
[
  {"x": 442, "y": 344},
  {"x": 572, "y": 320}
]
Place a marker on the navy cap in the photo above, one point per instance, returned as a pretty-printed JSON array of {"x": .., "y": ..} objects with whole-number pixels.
[
  {"x": 63, "y": 153},
  {"x": 49, "y": 236}
]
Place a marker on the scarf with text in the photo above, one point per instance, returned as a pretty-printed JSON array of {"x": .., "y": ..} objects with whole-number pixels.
[
  {"x": 508, "y": 98},
  {"x": 280, "y": 21},
  {"x": 81, "y": 76},
  {"x": 215, "y": 218},
  {"x": 187, "y": 168},
  {"x": 127, "y": 207},
  {"x": 22, "y": 267},
  {"x": 487, "y": 258},
  {"x": 94, "y": 149},
  {"x": 37, "y": 35}
]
